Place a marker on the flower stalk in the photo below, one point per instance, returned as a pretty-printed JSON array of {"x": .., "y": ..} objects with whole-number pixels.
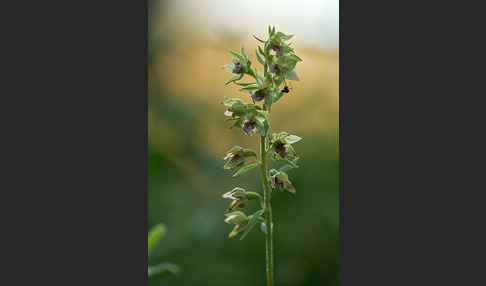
[{"x": 267, "y": 212}]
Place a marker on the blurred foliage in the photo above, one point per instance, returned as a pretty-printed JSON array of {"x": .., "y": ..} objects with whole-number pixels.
[
  {"x": 187, "y": 143},
  {"x": 162, "y": 269}
]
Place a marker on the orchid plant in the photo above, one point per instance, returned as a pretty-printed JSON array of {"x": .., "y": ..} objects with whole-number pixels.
[{"x": 279, "y": 60}]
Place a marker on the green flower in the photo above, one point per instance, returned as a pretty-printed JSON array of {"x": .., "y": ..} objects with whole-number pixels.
[
  {"x": 238, "y": 68},
  {"x": 283, "y": 62},
  {"x": 280, "y": 181},
  {"x": 281, "y": 145},
  {"x": 236, "y": 107},
  {"x": 249, "y": 127},
  {"x": 241, "y": 65},
  {"x": 238, "y": 197},
  {"x": 235, "y": 157},
  {"x": 258, "y": 95},
  {"x": 249, "y": 117},
  {"x": 239, "y": 219}
]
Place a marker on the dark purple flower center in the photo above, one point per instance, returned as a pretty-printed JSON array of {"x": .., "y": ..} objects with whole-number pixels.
[
  {"x": 238, "y": 68},
  {"x": 257, "y": 95},
  {"x": 281, "y": 150},
  {"x": 277, "y": 49},
  {"x": 285, "y": 89},
  {"x": 235, "y": 158},
  {"x": 248, "y": 127},
  {"x": 274, "y": 68}
]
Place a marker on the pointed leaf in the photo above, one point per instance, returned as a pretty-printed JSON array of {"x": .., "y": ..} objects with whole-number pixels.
[
  {"x": 235, "y": 148},
  {"x": 249, "y": 152},
  {"x": 253, "y": 221},
  {"x": 283, "y": 36},
  {"x": 246, "y": 169},
  {"x": 235, "y": 78},
  {"x": 253, "y": 196},
  {"x": 246, "y": 83},
  {"x": 291, "y": 139},
  {"x": 237, "y": 56},
  {"x": 296, "y": 58},
  {"x": 285, "y": 168},
  {"x": 261, "y": 51},
  {"x": 260, "y": 60},
  {"x": 229, "y": 68},
  {"x": 244, "y": 53},
  {"x": 291, "y": 163},
  {"x": 258, "y": 39},
  {"x": 249, "y": 89},
  {"x": 292, "y": 75}
]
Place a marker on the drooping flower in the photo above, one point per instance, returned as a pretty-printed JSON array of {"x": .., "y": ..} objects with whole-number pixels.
[
  {"x": 281, "y": 144},
  {"x": 258, "y": 95},
  {"x": 280, "y": 181},
  {"x": 236, "y": 156},
  {"x": 249, "y": 127},
  {"x": 239, "y": 219},
  {"x": 238, "y": 197},
  {"x": 249, "y": 117},
  {"x": 238, "y": 68},
  {"x": 236, "y": 193},
  {"x": 280, "y": 149}
]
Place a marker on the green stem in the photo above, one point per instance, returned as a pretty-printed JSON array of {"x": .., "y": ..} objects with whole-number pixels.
[{"x": 267, "y": 213}]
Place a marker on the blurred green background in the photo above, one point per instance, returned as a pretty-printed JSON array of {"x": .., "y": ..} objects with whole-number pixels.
[{"x": 188, "y": 137}]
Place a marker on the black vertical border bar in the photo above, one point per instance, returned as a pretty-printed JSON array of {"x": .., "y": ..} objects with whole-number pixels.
[{"x": 83, "y": 99}]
